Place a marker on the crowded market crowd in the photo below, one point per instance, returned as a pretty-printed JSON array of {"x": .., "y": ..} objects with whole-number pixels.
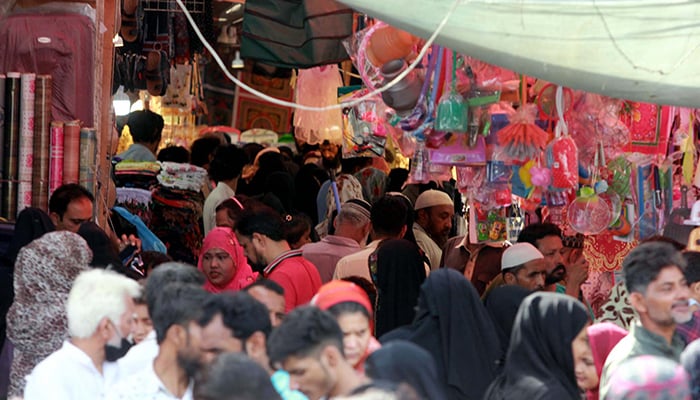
[{"x": 293, "y": 285}]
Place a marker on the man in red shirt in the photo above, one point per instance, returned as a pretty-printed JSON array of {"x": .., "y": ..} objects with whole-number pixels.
[{"x": 262, "y": 237}]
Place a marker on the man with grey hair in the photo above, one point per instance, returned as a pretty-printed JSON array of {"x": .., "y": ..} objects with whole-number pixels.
[
  {"x": 658, "y": 290},
  {"x": 352, "y": 226},
  {"x": 99, "y": 310}
]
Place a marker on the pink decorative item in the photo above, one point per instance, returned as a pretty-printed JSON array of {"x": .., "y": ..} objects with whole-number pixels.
[{"x": 540, "y": 177}]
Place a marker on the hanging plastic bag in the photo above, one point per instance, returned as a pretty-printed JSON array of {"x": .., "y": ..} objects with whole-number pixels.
[{"x": 562, "y": 154}]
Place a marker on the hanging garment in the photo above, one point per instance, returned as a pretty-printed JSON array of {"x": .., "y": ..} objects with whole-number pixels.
[
  {"x": 296, "y": 34},
  {"x": 59, "y": 44}
]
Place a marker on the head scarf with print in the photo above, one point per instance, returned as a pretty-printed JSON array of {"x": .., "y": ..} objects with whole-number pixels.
[
  {"x": 452, "y": 324},
  {"x": 223, "y": 238},
  {"x": 336, "y": 292},
  {"x": 36, "y": 323},
  {"x": 540, "y": 362},
  {"x": 691, "y": 361},
  {"x": 397, "y": 271},
  {"x": 401, "y": 361},
  {"x": 603, "y": 338},
  {"x": 649, "y": 378}
]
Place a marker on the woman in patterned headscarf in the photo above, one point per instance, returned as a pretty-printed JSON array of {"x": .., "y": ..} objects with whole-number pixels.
[{"x": 36, "y": 323}]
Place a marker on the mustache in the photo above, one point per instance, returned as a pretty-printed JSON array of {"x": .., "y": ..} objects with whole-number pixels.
[{"x": 681, "y": 303}]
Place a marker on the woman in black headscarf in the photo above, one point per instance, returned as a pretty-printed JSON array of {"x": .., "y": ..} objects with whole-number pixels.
[
  {"x": 502, "y": 304},
  {"x": 404, "y": 362},
  {"x": 397, "y": 271},
  {"x": 540, "y": 361},
  {"x": 453, "y": 325}
]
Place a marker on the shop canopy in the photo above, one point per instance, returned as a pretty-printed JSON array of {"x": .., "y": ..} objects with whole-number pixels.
[{"x": 642, "y": 50}]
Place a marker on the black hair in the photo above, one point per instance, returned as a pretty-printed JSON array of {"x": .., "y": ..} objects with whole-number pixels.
[
  {"x": 365, "y": 285},
  {"x": 152, "y": 259},
  {"x": 65, "y": 194},
  {"x": 286, "y": 152},
  {"x": 141, "y": 300},
  {"x": 251, "y": 381},
  {"x": 534, "y": 232},
  {"x": 240, "y": 312},
  {"x": 168, "y": 273},
  {"x": 177, "y": 304},
  {"x": 304, "y": 331},
  {"x": 145, "y": 126},
  {"x": 202, "y": 149},
  {"x": 267, "y": 284},
  {"x": 692, "y": 269},
  {"x": 176, "y": 154},
  {"x": 396, "y": 179},
  {"x": 409, "y": 217},
  {"x": 233, "y": 207},
  {"x": 388, "y": 216},
  {"x": 644, "y": 263},
  {"x": 658, "y": 238},
  {"x": 265, "y": 222},
  {"x": 348, "y": 307},
  {"x": 104, "y": 250},
  {"x": 251, "y": 150},
  {"x": 295, "y": 225},
  {"x": 512, "y": 270},
  {"x": 227, "y": 163}
]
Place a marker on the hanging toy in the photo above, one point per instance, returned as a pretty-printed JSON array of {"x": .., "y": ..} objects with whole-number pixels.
[
  {"x": 521, "y": 139},
  {"x": 588, "y": 213},
  {"x": 451, "y": 110},
  {"x": 562, "y": 154}
]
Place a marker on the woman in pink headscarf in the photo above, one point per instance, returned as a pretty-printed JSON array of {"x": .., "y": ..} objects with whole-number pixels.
[
  {"x": 223, "y": 262},
  {"x": 602, "y": 338}
]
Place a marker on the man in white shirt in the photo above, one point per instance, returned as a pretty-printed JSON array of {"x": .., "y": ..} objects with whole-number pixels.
[
  {"x": 145, "y": 352},
  {"x": 388, "y": 218},
  {"x": 434, "y": 212},
  {"x": 170, "y": 376},
  {"x": 224, "y": 169},
  {"x": 99, "y": 310}
]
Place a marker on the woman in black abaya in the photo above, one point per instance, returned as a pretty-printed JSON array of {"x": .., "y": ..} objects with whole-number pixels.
[
  {"x": 540, "y": 361},
  {"x": 453, "y": 326}
]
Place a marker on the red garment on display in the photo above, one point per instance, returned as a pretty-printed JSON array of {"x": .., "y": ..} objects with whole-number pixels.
[{"x": 58, "y": 44}]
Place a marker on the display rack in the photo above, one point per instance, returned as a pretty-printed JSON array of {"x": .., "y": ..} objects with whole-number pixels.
[{"x": 193, "y": 6}]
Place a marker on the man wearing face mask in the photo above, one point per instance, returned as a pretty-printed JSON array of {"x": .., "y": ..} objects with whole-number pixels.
[
  {"x": 560, "y": 278},
  {"x": 170, "y": 376},
  {"x": 99, "y": 309}
]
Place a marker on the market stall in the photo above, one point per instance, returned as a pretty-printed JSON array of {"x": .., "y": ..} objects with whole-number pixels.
[{"x": 574, "y": 112}]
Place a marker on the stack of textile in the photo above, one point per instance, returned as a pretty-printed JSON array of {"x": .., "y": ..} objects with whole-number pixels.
[
  {"x": 176, "y": 207},
  {"x": 131, "y": 174}
]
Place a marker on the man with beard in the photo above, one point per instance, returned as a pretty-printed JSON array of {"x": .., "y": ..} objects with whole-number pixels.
[
  {"x": 654, "y": 276},
  {"x": 235, "y": 323},
  {"x": 261, "y": 234},
  {"x": 523, "y": 265},
  {"x": 434, "y": 212},
  {"x": 547, "y": 239},
  {"x": 170, "y": 376},
  {"x": 99, "y": 309},
  {"x": 309, "y": 345}
]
